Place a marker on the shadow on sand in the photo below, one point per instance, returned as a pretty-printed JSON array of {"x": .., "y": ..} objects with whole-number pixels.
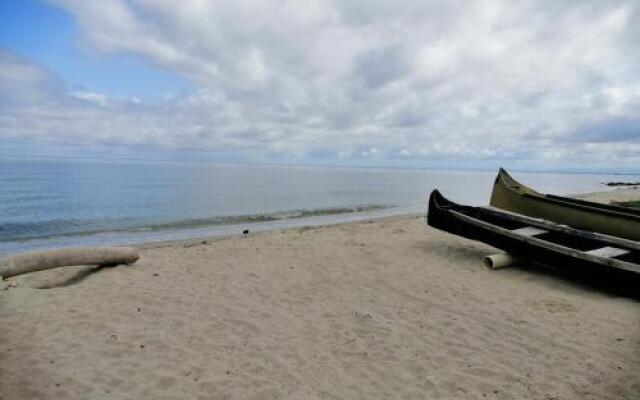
[
  {"x": 612, "y": 283},
  {"x": 74, "y": 279}
]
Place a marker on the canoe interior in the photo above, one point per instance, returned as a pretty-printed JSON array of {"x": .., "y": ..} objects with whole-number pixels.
[
  {"x": 507, "y": 180},
  {"x": 569, "y": 238},
  {"x": 510, "y": 195}
]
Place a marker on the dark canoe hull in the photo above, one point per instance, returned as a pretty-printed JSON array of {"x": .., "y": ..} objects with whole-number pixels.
[
  {"x": 561, "y": 246},
  {"x": 510, "y": 195}
]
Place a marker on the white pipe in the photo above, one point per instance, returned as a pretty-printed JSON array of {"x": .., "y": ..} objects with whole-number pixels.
[{"x": 499, "y": 260}]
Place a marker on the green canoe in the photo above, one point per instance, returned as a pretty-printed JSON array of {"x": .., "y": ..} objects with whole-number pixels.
[{"x": 510, "y": 195}]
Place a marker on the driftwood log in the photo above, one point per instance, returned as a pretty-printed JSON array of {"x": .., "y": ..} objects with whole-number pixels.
[{"x": 40, "y": 260}]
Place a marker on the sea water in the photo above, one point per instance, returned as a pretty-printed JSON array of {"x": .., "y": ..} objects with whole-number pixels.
[{"x": 47, "y": 204}]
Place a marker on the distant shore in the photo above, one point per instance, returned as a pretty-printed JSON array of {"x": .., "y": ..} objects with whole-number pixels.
[{"x": 623, "y": 184}]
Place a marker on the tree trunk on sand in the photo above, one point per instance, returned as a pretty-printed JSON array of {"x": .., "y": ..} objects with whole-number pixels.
[{"x": 47, "y": 259}]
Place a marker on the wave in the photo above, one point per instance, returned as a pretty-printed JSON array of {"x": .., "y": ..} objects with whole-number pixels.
[{"x": 24, "y": 231}]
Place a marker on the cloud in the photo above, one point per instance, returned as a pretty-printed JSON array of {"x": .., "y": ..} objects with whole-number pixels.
[
  {"x": 23, "y": 83},
  {"x": 611, "y": 130},
  {"x": 539, "y": 81}
]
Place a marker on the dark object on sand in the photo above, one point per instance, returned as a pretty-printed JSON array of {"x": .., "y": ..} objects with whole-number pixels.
[
  {"x": 40, "y": 260},
  {"x": 535, "y": 239},
  {"x": 510, "y": 195},
  {"x": 245, "y": 232}
]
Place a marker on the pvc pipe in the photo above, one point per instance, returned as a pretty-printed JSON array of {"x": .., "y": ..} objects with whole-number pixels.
[{"x": 499, "y": 260}]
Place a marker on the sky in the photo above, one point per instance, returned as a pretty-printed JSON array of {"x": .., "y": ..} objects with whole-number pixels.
[{"x": 548, "y": 85}]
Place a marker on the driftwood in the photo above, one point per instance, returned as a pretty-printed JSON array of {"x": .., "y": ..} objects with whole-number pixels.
[{"x": 40, "y": 260}]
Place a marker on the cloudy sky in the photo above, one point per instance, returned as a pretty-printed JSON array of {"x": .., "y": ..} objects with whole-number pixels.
[{"x": 527, "y": 84}]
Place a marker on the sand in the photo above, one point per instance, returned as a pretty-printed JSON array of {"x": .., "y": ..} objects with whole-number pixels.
[
  {"x": 620, "y": 194},
  {"x": 386, "y": 309}
]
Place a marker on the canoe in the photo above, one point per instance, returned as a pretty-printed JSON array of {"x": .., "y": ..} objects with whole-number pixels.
[
  {"x": 535, "y": 239},
  {"x": 510, "y": 195}
]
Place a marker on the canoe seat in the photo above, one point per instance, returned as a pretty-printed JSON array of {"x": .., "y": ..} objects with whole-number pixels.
[
  {"x": 529, "y": 231},
  {"x": 607, "y": 252}
]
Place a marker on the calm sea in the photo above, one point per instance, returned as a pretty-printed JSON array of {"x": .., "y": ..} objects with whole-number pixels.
[{"x": 51, "y": 204}]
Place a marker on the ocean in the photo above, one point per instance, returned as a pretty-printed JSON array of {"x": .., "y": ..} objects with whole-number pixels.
[{"x": 46, "y": 204}]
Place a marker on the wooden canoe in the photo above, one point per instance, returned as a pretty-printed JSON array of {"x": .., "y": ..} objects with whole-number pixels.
[
  {"x": 535, "y": 239},
  {"x": 510, "y": 195}
]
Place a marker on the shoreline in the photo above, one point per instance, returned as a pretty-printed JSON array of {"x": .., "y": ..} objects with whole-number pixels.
[
  {"x": 193, "y": 234},
  {"x": 227, "y": 231},
  {"x": 607, "y": 196},
  {"x": 209, "y": 239}
]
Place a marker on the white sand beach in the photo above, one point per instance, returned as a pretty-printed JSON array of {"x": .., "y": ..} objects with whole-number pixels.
[
  {"x": 620, "y": 194},
  {"x": 380, "y": 309}
]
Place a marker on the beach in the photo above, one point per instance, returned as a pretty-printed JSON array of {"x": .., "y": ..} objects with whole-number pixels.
[
  {"x": 378, "y": 309},
  {"x": 259, "y": 200},
  {"x": 623, "y": 194}
]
